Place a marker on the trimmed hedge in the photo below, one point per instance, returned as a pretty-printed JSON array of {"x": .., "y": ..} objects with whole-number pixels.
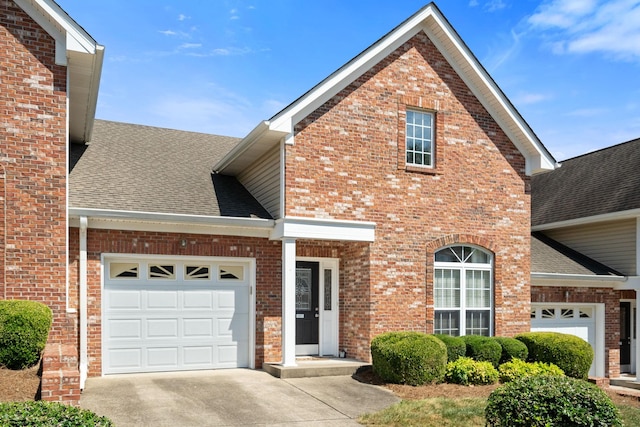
[
  {"x": 467, "y": 371},
  {"x": 511, "y": 349},
  {"x": 24, "y": 328},
  {"x": 483, "y": 349},
  {"x": 41, "y": 413},
  {"x": 550, "y": 401},
  {"x": 516, "y": 369},
  {"x": 413, "y": 358},
  {"x": 570, "y": 353},
  {"x": 456, "y": 347}
]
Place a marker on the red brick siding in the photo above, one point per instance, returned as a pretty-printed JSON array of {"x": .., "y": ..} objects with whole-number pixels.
[
  {"x": 347, "y": 163},
  {"x": 267, "y": 253},
  {"x": 33, "y": 160},
  {"x": 611, "y": 300}
]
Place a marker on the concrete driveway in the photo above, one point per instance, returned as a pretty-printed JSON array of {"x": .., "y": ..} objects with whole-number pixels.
[{"x": 231, "y": 397}]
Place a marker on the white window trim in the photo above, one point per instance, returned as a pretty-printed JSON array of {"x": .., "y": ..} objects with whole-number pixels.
[
  {"x": 463, "y": 268},
  {"x": 431, "y": 164}
]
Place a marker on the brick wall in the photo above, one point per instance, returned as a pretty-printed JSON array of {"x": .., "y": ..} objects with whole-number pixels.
[
  {"x": 33, "y": 164},
  {"x": 268, "y": 256},
  {"x": 348, "y": 163}
]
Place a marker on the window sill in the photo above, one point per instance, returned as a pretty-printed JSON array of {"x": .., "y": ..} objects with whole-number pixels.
[{"x": 423, "y": 169}]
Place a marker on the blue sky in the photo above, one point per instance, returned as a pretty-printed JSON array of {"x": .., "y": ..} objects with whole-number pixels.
[{"x": 571, "y": 67}]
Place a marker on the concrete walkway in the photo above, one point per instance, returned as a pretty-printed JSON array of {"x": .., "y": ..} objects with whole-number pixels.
[{"x": 234, "y": 397}]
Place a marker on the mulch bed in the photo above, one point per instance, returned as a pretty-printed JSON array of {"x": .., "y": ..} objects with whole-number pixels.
[{"x": 18, "y": 386}]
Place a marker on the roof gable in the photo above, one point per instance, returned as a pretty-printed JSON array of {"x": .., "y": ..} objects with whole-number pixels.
[
  {"x": 431, "y": 21},
  {"x": 603, "y": 182},
  {"x": 82, "y": 56}
]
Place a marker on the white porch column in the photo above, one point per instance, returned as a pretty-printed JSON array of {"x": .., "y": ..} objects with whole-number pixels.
[{"x": 288, "y": 302}]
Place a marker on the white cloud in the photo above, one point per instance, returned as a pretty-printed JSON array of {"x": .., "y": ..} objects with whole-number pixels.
[
  {"x": 587, "y": 112},
  {"x": 190, "y": 45},
  {"x": 183, "y": 17},
  {"x": 530, "y": 98},
  {"x": 586, "y": 26},
  {"x": 168, "y": 33},
  {"x": 493, "y": 5}
]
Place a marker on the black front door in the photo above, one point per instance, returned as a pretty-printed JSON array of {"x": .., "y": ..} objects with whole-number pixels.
[
  {"x": 625, "y": 336},
  {"x": 307, "y": 314}
]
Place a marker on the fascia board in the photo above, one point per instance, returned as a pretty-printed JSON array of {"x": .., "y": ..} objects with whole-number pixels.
[
  {"x": 323, "y": 229},
  {"x": 172, "y": 223},
  {"x": 614, "y": 216},
  {"x": 286, "y": 119},
  {"x": 490, "y": 96}
]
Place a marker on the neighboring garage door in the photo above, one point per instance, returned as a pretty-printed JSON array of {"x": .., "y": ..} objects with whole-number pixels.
[
  {"x": 173, "y": 314},
  {"x": 578, "y": 320}
]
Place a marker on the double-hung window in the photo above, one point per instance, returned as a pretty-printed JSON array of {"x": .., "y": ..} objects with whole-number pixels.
[
  {"x": 463, "y": 291},
  {"x": 419, "y": 138}
]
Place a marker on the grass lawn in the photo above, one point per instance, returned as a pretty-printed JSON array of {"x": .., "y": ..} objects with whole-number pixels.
[{"x": 449, "y": 412}]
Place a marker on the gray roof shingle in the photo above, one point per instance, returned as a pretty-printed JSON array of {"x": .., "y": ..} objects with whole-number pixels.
[
  {"x": 551, "y": 256},
  {"x": 149, "y": 169},
  {"x": 597, "y": 183}
]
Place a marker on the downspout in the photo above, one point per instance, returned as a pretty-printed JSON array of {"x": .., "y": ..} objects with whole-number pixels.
[{"x": 83, "y": 301}]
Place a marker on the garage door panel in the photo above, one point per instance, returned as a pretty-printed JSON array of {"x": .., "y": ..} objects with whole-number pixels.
[
  {"x": 125, "y": 359},
  {"x": 162, "y": 328},
  {"x": 165, "y": 300},
  {"x": 198, "y": 328},
  {"x": 198, "y": 356},
  {"x": 125, "y": 329},
  {"x": 154, "y": 325},
  {"x": 162, "y": 357},
  {"x": 198, "y": 300},
  {"x": 124, "y": 300}
]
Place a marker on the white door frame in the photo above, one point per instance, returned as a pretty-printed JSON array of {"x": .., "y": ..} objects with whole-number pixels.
[
  {"x": 108, "y": 257},
  {"x": 329, "y": 321},
  {"x": 632, "y": 321}
]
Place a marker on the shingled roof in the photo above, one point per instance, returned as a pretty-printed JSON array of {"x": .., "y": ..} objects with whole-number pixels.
[
  {"x": 550, "y": 256},
  {"x": 148, "y": 169},
  {"x": 597, "y": 183}
]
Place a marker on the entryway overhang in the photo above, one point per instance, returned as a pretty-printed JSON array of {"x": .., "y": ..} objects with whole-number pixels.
[{"x": 288, "y": 230}]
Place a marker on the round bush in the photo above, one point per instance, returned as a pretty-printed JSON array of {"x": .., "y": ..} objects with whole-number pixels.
[
  {"x": 24, "y": 328},
  {"x": 517, "y": 368},
  {"x": 483, "y": 349},
  {"x": 512, "y": 349},
  {"x": 456, "y": 347},
  {"x": 467, "y": 371},
  {"x": 550, "y": 401},
  {"x": 40, "y": 413},
  {"x": 570, "y": 353},
  {"x": 412, "y": 358}
]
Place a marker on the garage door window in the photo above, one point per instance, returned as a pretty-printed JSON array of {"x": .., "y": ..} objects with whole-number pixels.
[
  {"x": 124, "y": 270},
  {"x": 463, "y": 291},
  {"x": 232, "y": 272},
  {"x": 159, "y": 271},
  {"x": 197, "y": 272}
]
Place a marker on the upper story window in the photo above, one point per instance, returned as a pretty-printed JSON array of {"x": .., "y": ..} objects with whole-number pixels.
[
  {"x": 419, "y": 134},
  {"x": 463, "y": 291}
]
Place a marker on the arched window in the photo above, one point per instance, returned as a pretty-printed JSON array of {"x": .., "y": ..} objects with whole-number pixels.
[{"x": 463, "y": 291}]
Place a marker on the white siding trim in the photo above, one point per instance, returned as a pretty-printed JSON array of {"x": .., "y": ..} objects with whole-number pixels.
[{"x": 324, "y": 229}]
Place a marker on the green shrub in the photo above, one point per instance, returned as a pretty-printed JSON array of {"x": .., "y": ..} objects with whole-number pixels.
[
  {"x": 41, "y": 413},
  {"x": 467, "y": 371},
  {"x": 24, "y": 328},
  {"x": 456, "y": 347},
  {"x": 483, "y": 349},
  {"x": 516, "y": 369},
  {"x": 412, "y": 358},
  {"x": 511, "y": 349},
  {"x": 570, "y": 353},
  {"x": 550, "y": 401}
]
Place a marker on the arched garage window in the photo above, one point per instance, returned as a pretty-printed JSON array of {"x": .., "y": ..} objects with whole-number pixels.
[{"x": 463, "y": 291}]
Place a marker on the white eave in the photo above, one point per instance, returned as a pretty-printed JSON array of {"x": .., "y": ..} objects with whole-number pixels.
[
  {"x": 171, "y": 223},
  {"x": 432, "y": 22},
  {"x": 82, "y": 56}
]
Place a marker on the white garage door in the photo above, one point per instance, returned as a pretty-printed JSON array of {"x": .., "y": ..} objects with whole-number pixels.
[
  {"x": 578, "y": 320},
  {"x": 166, "y": 314}
]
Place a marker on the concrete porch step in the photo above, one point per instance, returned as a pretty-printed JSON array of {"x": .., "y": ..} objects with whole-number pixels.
[
  {"x": 314, "y": 367},
  {"x": 629, "y": 382}
]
